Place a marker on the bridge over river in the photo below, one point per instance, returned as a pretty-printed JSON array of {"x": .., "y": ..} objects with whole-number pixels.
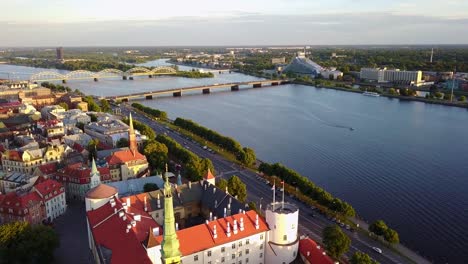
[{"x": 206, "y": 89}]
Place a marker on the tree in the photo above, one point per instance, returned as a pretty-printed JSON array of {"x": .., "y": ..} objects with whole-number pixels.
[
  {"x": 64, "y": 105},
  {"x": 378, "y": 227},
  {"x": 122, "y": 143},
  {"x": 222, "y": 184},
  {"x": 156, "y": 153},
  {"x": 335, "y": 241},
  {"x": 447, "y": 96},
  {"x": 392, "y": 91},
  {"x": 237, "y": 188},
  {"x": 462, "y": 98},
  {"x": 22, "y": 243},
  {"x": 93, "y": 117},
  {"x": 80, "y": 125},
  {"x": 105, "y": 106},
  {"x": 362, "y": 258},
  {"x": 247, "y": 156},
  {"x": 92, "y": 148},
  {"x": 391, "y": 236},
  {"x": 438, "y": 95},
  {"x": 149, "y": 187}
]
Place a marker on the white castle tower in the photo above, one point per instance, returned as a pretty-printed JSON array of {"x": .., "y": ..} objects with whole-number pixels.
[{"x": 283, "y": 220}]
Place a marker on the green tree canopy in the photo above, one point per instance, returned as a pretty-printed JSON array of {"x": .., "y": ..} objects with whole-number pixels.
[
  {"x": 22, "y": 243},
  {"x": 237, "y": 188},
  {"x": 336, "y": 242},
  {"x": 105, "y": 106},
  {"x": 64, "y": 105},
  {"x": 248, "y": 156},
  {"x": 362, "y": 258},
  {"x": 156, "y": 153},
  {"x": 462, "y": 98},
  {"x": 222, "y": 184},
  {"x": 92, "y": 148},
  {"x": 378, "y": 227},
  {"x": 391, "y": 236},
  {"x": 122, "y": 143}
]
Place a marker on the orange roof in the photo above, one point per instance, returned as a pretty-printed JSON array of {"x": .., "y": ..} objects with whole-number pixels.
[
  {"x": 101, "y": 191},
  {"x": 124, "y": 156},
  {"x": 308, "y": 249},
  {"x": 204, "y": 232},
  {"x": 209, "y": 175},
  {"x": 109, "y": 230}
]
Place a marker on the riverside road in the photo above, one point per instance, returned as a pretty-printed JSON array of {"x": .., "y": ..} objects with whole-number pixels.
[{"x": 258, "y": 190}]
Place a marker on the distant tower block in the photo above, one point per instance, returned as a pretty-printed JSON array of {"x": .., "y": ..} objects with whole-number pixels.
[
  {"x": 283, "y": 239},
  {"x": 60, "y": 53},
  {"x": 432, "y": 54}
]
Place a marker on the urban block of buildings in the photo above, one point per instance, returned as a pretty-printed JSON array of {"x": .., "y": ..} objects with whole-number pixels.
[{"x": 384, "y": 75}]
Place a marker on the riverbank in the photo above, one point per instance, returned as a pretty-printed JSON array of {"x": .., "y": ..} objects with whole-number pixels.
[{"x": 403, "y": 98}]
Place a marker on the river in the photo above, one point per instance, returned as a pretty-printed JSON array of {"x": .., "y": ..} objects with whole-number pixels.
[{"x": 404, "y": 162}]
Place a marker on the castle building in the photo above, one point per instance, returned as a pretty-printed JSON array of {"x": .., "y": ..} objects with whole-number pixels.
[{"x": 190, "y": 223}]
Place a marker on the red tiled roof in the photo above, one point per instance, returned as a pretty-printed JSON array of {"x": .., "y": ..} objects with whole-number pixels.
[
  {"x": 48, "y": 168},
  {"x": 78, "y": 147},
  {"x": 138, "y": 201},
  {"x": 204, "y": 233},
  {"x": 82, "y": 172},
  {"x": 209, "y": 175},
  {"x": 109, "y": 230},
  {"x": 19, "y": 203},
  {"x": 124, "y": 156},
  {"x": 308, "y": 249},
  {"x": 101, "y": 191},
  {"x": 48, "y": 188}
]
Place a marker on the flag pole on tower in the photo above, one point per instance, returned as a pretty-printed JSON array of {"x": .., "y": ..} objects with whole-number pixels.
[
  {"x": 282, "y": 202},
  {"x": 273, "y": 188}
]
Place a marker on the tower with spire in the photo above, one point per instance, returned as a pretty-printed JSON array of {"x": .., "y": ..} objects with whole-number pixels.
[
  {"x": 95, "y": 175},
  {"x": 132, "y": 137},
  {"x": 170, "y": 252}
]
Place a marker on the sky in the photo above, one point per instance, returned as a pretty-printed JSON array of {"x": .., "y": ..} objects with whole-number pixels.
[{"x": 238, "y": 22}]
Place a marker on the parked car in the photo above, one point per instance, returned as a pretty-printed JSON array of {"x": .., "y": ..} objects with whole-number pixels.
[{"x": 377, "y": 249}]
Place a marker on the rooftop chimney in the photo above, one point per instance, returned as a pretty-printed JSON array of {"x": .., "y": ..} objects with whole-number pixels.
[
  {"x": 308, "y": 253},
  {"x": 215, "y": 235},
  {"x": 121, "y": 214},
  {"x": 137, "y": 217},
  {"x": 225, "y": 212},
  {"x": 235, "y": 227},
  {"x": 228, "y": 231},
  {"x": 214, "y": 190},
  {"x": 133, "y": 223},
  {"x": 257, "y": 226},
  {"x": 242, "y": 224},
  {"x": 211, "y": 216},
  {"x": 128, "y": 202},
  {"x": 176, "y": 226},
  {"x": 216, "y": 203},
  {"x": 129, "y": 226}
]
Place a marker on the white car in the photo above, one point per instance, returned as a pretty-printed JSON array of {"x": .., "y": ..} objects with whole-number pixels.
[{"x": 377, "y": 249}]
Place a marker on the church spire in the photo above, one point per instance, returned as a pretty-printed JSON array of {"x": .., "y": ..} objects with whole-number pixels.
[
  {"x": 170, "y": 244},
  {"x": 95, "y": 175},
  {"x": 131, "y": 136}
]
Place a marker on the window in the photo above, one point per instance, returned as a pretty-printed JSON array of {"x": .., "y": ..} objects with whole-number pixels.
[
  {"x": 240, "y": 243},
  {"x": 195, "y": 258},
  {"x": 233, "y": 245},
  {"x": 240, "y": 261},
  {"x": 294, "y": 253},
  {"x": 261, "y": 255},
  {"x": 247, "y": 260},
  {"x": 209, "y": 262},
  {"x": 285, "y": 237},
  {"x": 247, "y": 251},
  {"x": 261, "y": 237},
  {"x": 209, "y": 253},
  {"x": 233, "y": 256},
  {"x": 223, "y": 249},
  {"x": 247, "y": 241},
  {"x": 240, "y": 254},
  {"x": 222, "y": 260},
  {"x": 261, "y": 246}
]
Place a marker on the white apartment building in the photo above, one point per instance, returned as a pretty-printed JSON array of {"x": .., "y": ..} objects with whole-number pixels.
[{"x": 384, "y": 75}]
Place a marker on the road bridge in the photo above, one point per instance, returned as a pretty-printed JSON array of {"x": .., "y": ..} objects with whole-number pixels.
[
  {"x": 206, "y": 89},
  {"x": 106, "y": 73}
]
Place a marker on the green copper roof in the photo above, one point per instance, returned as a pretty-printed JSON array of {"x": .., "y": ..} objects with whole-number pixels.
[{"x": 170, "y": 243}]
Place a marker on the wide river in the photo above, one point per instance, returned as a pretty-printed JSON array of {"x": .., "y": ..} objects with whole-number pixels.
[{"x": 404, "y": 162}]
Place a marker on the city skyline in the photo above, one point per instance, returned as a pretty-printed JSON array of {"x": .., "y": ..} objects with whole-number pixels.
[{"x": 278, "y": 22}]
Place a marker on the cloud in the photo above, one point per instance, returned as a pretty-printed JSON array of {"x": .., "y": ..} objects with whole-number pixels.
[{"x": 244, "y": 29}]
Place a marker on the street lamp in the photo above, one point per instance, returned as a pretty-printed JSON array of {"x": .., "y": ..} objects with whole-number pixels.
[{"x": 261, "y": 198}]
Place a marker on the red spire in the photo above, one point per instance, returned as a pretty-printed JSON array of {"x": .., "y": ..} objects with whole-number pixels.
[{"x": 209, "y": 175}]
